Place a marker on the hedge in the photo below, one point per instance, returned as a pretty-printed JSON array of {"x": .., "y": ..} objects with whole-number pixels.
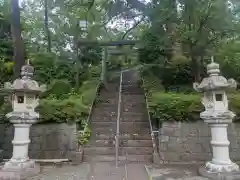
[
  {"x": 62, "y": 111},
  {"x": 183, "y": 107},
  {"x": 169, "y": 106},
  {"x": 68, "y": 108}
]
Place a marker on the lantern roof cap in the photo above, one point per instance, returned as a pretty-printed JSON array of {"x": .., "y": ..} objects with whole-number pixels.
[
  {"x": 25, "y": 83},
  {"x": 213, "y": 68},
  {"x": 214, "y": 81}
]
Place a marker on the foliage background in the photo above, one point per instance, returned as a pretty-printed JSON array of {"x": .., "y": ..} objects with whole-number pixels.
[{"x": 178, "y": 37}]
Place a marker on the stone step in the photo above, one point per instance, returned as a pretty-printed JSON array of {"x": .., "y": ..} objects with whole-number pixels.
[
  {"x": 100, "y": 113},
  {"x": 122, "y": 150},
  {"x": 101, "y": 116},
  {"x": 134, "y": 98},
  {"x": 97, "y": 118},
  {"x": 133, "y": 130},
  {"x": 133, "y": 104},
  {"x": 103, "y": 130},
  {"x": 134, "y": 127},
  {"x": 134, "y": 119},
  {"x": 132, "y": 87},
  {"x": 123, "y": 125},
  {"x": 136, "y": 143},
  {"x": 100, "y": 143},
  {"x": 131, "y": 101},
  {"x": 103, "y": 101},
  {"x": 99, "y": 151},
  {"x": 139, "y": 158},
  {"x": 106, "y": 124},
  {"x": 105, "y": 109},
  {"x": 123, "y": 143},
  {"x": 134, "y": 114},
  {"x": 132, "y": 91},
  {"x": 111, "y": 158},
  {"x": 135, "y": 136},
  {"x": 106, "y": 105},
  {"x": 126, "y": 136},
  {"x": 101, "y": 158},
  {"x": 136, "y": 150},
  {"x": 140, "y": 111},
  {"x": 112, "y": 118}
]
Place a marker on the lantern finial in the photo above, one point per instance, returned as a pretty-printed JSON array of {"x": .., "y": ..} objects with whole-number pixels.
[
  {"x": 213, "y": 68},
  {"x": 27, "y": 71},
  {"x": 212, "y": 59}
]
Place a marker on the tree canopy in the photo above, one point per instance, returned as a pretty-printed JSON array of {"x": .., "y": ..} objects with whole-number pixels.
[{"x": 171, "y": 31}]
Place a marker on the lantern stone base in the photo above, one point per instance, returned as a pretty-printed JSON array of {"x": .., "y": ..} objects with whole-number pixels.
[
  {"x": 218, "y": 172},
  {"x": 221, "y": 168},
  {"x": 19, "y": 171}
]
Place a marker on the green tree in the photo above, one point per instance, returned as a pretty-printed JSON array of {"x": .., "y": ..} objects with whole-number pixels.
[{"x": 195, "y": 30}]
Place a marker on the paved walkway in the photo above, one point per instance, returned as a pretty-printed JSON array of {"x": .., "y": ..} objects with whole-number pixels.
[
  {"x": 174, "y": 172},
  {"x": 94, "y": 171},
  {"x": 66, "y": 172},
  {"x": 102, "y": 171},
  {"x": 108, "y": 171}
]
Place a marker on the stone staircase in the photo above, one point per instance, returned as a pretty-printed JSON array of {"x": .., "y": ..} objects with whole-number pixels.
[
  {"x": 101, "y": 146},
  {"x": 136, "y": 140},
  {"x": 135, "y": 144}
]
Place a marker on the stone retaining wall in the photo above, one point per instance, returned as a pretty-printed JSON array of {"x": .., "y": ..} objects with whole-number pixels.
[
  {"x": 190, "y": 142},
  {"x": 48, "y": 141}
]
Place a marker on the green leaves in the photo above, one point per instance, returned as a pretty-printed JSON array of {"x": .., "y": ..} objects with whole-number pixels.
[{"x": 68, "y": 107}]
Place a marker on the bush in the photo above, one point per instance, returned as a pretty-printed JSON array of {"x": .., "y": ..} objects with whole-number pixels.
[
  {"x": 74, "y": 108},
  {"x": 171, "y": 76},
  {"x": 174, "y": 107},
  {"x": 62, "y": 111},
  {"x": 182, "y": 107},
  {"x": 169, "y": 106},
  {"x": 83, "y": 136},
  {"x": 58, "y": 88},
  {"x": 62, "y": 106}
]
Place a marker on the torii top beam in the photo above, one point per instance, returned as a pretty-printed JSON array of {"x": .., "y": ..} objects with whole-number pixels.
[{"x": 108, "y": 43}]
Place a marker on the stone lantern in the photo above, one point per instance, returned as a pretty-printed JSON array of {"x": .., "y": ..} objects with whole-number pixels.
[
  {"x": 218, "y": 116},
  {"x": 24, "y": 98}
]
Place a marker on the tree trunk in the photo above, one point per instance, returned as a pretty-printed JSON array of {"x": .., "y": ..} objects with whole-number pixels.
[
  {"x": 17, "y": 39},
  {"x": 195, "y": 69},
  {"x": 46, "y": 22}
]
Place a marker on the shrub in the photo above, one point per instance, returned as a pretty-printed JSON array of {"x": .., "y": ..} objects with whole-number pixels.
[
  {"x": 58, "y": 88},
  {"x": 74, "y": 108},
  {"x": 179, "y": 106},
  {"x": 83, "y": 136},
  {"x": 182, "y": 107},
  {"x": 62, "y": 111},
  {"x": 169, "y": 76},
  {"x": 174, "y": 107}
]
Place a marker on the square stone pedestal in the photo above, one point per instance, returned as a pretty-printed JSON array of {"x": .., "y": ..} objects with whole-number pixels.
[
  {"x": 235, "y": 175},
  {"x": 19, "y": 171}
]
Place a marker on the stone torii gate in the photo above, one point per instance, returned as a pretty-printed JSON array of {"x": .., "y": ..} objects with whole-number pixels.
[{"x": 106, "y": 44}]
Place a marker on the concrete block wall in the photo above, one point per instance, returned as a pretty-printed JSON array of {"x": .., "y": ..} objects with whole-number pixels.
[
  {"x": 48, "y": 141},
  {"x": 190, "y": 142}
]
